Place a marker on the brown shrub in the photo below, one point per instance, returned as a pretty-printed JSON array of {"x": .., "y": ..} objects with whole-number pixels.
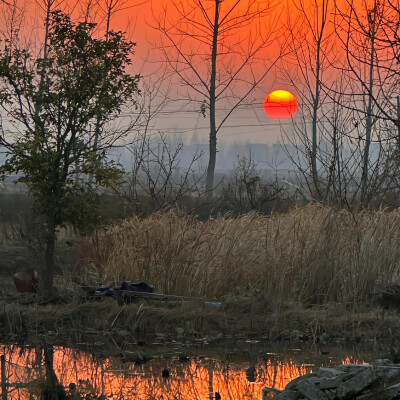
[{"x": 310, "y": 255}]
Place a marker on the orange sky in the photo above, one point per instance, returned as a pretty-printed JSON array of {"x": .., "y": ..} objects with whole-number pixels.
[{"x": 137, "y": 16}]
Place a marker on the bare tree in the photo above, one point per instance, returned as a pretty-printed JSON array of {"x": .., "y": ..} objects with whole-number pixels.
[
  {"x": 346, "y": 100},
  {"x": 212, "y": 47},
  {"x": 13, "y": 14},
  {"x": 307, "y": 69},
  {"x": 156, "y": 177},
  {"x": 372, "y": 70}
]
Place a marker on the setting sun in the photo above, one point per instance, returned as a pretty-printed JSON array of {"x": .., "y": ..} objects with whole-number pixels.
[{"x": 280, "y": 104}]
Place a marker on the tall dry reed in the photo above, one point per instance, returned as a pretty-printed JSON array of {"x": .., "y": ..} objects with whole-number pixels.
[{"x": 309, "y": 255}]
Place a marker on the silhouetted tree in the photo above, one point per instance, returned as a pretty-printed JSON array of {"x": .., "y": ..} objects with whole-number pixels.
[{"x": 53, "y": 101}]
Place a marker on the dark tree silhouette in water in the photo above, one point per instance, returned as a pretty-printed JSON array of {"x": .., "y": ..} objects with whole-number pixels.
[{"x": 53, "y": 101}]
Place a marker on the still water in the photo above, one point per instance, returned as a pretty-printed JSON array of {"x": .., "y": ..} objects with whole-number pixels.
[{"x": 89, "y": 377}]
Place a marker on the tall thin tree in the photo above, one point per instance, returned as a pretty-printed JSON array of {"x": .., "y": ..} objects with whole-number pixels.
[{"x": 213, "y": 47}]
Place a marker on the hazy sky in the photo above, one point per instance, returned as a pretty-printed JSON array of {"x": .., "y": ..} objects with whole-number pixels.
[{"x": 249, "y": 123}]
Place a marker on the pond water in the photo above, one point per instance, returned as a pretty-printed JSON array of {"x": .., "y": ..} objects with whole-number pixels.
[{"x": 235, "y": 376}]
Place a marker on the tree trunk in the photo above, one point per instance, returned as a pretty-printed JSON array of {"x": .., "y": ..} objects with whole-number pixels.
[
  {"x": 368, "y": 129},
  {"x": 314, "y": 169},
  {"x": 316, "y": 104},
  {"x": 47, "y": 278},
  {"x": 213, "y": 126},
  {"x": 211, "y": 164}
]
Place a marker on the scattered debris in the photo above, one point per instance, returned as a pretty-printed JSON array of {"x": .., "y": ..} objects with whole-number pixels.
[{"x": 129, "y": 293}]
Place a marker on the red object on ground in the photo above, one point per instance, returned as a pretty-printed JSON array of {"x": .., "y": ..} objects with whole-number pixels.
[{"x": 26, "y": 281}]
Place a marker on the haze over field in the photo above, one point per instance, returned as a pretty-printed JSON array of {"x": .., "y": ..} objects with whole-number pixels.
[{"x": 139, "y": 18}]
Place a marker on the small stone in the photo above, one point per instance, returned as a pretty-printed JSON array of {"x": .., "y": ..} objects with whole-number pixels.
[{"x": 311, "y": 391}]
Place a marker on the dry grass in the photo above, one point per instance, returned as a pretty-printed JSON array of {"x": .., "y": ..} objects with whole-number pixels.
[{"x": 312, "y": 255}]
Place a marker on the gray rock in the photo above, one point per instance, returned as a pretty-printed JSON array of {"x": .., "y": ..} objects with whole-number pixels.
[
  {"x": 354, "y": 367},
  {"x": 288, "y": 395},
  {"x": 331, "y": 383},
  {"x": 355, "y": 385},
  {"x": 316, "y": 380},
  {"x": 330, "y": 372},
  {"x": 330, "y": 394},
  {"x": 397, "y": 386},
  {"x": 311, "y": 391},
  {"x": 393, "y": 376},
  {"x": 383, "y": 362},
  {"x": 292, "y": 385},
  {"x": 387, "y": 394}
]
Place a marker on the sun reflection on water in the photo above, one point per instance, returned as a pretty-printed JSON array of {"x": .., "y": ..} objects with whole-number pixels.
[{"x": 195, "y": 379}]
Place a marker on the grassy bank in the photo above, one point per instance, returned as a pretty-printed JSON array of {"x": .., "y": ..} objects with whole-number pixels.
[
  {"x": 313, "y": 270},
  {"x": 312, "y": 255}
]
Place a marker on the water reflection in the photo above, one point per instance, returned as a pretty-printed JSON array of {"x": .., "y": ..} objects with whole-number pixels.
[{"x": 82, "y": 374}]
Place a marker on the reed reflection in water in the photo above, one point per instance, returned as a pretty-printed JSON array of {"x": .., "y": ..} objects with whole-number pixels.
[{"x": 197, "y": 379}]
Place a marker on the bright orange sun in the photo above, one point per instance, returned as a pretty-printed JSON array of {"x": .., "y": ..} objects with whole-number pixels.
[{"x": 280, "y": 104}]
